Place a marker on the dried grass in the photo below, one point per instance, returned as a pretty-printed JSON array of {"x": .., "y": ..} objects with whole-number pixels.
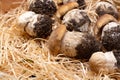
[{"x": 26, "y": 58}]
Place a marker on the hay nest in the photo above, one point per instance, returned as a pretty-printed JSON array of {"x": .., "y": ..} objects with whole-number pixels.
[{"x": 25, "y": 58}]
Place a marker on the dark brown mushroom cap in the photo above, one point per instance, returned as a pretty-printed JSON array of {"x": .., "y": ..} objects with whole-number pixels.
[
  {"x": 106, "y": 8},
  {"x": 111, "y": 36},
  {"x": 72, "y": 44},
  {"x": 79, "y": 45},
  {"x": 77, "y": 20},
  {"x": 46, "y": 7}
]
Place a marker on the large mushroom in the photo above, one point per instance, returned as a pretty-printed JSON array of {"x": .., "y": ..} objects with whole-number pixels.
[
  {"x": 107, "y": 62},
  {"x": 35, "y": 25},
  {"x": 101, "y": 22},
  {"x": 47, "y": 7},
  {"x": 106, "y": 8},
  {"x": 72, "y": 44},
  {"x": 82, "y": 3}
]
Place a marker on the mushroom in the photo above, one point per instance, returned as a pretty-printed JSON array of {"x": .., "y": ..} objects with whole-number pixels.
[
  {"x": 46, "y": 7},
  {"x": 55, "y": 39},
  {"x": 77, "y": 20},
  {"x": 106, "y": 8},
  {"x": 72, "y": 44},
  {"x": 107, "y": 62},
  {"x": 101, "y": 22},
  {"x": 62, "y": 10},
  {"x": 25, "y": 18},
  {"x": 111, "y": 36},
  {"x": 35, "y": 25},
  {"x": 107, "y": 30}
]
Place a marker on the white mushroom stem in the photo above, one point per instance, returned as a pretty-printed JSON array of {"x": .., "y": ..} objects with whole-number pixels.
[{"x": 103, "y": 62}]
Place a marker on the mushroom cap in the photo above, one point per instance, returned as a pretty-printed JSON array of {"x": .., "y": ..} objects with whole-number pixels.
[
  {"x": 106, "y": 8},
  {"x": 76, "y": 20},
  {"x": 111, "y": 36},
  {"x": 79, "y": 45},
  {"x": 25, "y": 18},
  {"x": 109, "y": 26},
  {"x": 40, "y": 26},
  {"x": 47, "y": 7},
  {"x": 103, "y": 62}
]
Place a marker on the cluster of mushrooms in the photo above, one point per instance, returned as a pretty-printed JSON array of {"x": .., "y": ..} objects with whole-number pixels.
[{"x": 66, "y": 25}]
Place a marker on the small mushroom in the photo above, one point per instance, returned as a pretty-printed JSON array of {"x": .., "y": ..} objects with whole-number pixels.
[
  {"x": 101, "y": 22},
  {"x": 107, "y": 62},
  {"x": 46, "y": 7},
  {"x": 35, "y": 25},
  {"x": 106, "y": 8},
  {"x": 77, "y": 20},
  {"x": 72, "y": 44}
]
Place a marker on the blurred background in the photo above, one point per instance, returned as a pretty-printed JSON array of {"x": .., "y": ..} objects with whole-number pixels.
[{"x": 6, "y": 5}]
